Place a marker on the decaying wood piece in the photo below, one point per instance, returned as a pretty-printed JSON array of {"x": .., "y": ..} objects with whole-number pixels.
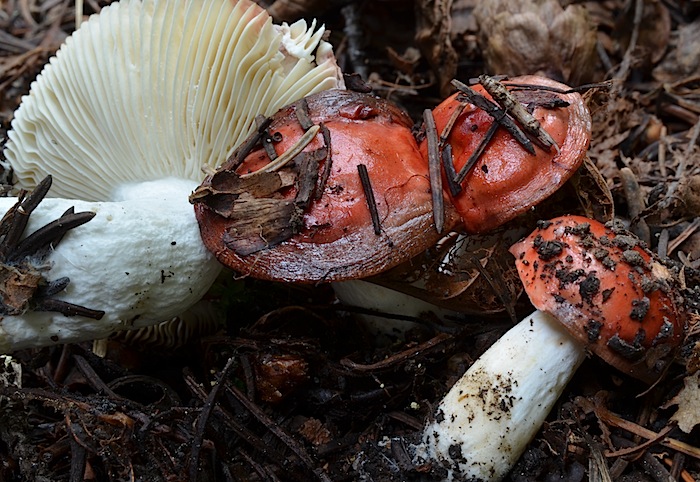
[{"x": 433, "y": 32}]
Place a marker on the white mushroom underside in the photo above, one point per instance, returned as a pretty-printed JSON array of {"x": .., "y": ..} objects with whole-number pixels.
[
  {"x": 141, "y": 261},
  {"x": 155, "y": 88},
  {"x": 487, "y": 418}
]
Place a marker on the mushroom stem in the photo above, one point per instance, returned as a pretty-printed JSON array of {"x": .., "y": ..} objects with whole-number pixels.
[
  {"x": 596, "y": 290},
  {"x": 140, "y": 260},
  {"x": 397, "y": 312},
  {"x": 488, "y": 417}
]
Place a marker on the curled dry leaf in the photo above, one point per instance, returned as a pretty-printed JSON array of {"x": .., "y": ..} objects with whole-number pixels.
[
  {"x": 470, "y": 274},
  {"x": 688, "y": 401},
  {"x": 653, "y": 31},
  {"x": 683, "y": 57},
  {"x": 433, "y": 32}
]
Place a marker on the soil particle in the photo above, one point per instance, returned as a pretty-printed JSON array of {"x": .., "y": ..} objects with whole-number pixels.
[
  {"x": 589, "y": 287},
  {"x": 640, "y": 308},
  {"x": 548, "y": 249}
]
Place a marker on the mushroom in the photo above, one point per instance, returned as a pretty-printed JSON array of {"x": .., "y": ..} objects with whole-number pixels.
[
  {"x": 126, "y": 115},
  {"x": 503, "y": 179},
  {"x": 597, "y": 290},
  {"x": 335, "y": 188}
]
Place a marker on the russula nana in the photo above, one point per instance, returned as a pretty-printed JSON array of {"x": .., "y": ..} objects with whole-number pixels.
[
  {"x": 125, "y": 117},
  {"x": 307, "y": 214},
  {"x": 596, "y": 290},
  {"x": 506, "y": 180}
]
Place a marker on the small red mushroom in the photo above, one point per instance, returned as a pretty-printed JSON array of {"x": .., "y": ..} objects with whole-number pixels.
[
  {"x": 611, "y": 293},
  {"x": 315, "y": 218},
  {"x": 596, "y": 290},
  {"x": 507, "y": 180}
]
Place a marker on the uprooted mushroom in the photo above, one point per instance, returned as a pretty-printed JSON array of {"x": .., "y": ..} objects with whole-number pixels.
[{"x": 125, "y": 117}]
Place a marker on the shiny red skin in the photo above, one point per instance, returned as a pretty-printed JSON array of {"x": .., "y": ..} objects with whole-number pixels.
[
  {"x": 338, "y": 240},
  {"x": 507, "y": 180}
]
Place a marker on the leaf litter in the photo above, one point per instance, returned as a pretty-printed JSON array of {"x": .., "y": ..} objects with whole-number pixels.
[{"x": 288, "y": 386}]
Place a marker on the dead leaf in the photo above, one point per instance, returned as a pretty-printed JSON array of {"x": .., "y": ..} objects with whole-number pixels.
[
  {"x": 528, "y": 37},
  {"x": 688, "y": 401}
]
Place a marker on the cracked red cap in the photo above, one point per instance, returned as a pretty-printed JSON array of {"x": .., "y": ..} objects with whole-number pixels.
[
  {"x": 608, "y": 290},
  {"x": 294, "y": 224},
  {"x": 507, "y": 180}
]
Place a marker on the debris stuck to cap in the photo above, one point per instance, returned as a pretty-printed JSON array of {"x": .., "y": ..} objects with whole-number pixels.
[
  {"x": 311, "y": 220},
  {"x": 509, "y": 175}
]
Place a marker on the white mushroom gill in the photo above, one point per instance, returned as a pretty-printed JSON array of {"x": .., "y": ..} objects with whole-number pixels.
[
  {"x": 154, "y": 88},
  {"x": 126, "y": 115}
]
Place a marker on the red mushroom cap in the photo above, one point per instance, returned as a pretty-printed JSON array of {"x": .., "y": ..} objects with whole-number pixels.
[
  {"x": 332, "y": 237},
  {"x": 507, "y": 180},
  {"x": 607, "y": 289}
]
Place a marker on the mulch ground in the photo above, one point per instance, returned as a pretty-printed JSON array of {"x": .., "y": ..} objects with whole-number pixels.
[{"x": 289, "y": 387}]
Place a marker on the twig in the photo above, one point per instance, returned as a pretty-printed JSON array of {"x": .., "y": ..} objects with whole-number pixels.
[
  {"x": 447, "y": 130},
  {"x": 680, "y": 171},
  {"x": 289, "y": 154},
  {"x": 449, "y": 166},
  {"x": 627, "y": 59},
  {"x": 241, "y": 430},
  {"x": 266, "y": 138},
  {"x": 612, "y": 419},
  {"x": 434, "y": 170},
  {"x": 499, "y": 115},
  {"x": 512, "y": 106},
  {"x": 476, "y": 154},
  {"x": 400, "y": 357},
  {"x": 328, "y": 165},
  {"x": 273, "y": 427},
  {"x": 689, "y": 230},
  {"x": 302, "y": 112},
  {"x": 18, "y": 216},
  {"x": 78, "y": 454},
  {"x": 204, "y": 418},
  {"x": 369, "y": 197},
  {"x": 247, "y": 145}
]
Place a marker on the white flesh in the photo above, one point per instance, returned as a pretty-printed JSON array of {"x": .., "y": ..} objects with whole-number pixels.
[
  {"x": 141, "y": 260},
  {"x": 486, "y": 420}
]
